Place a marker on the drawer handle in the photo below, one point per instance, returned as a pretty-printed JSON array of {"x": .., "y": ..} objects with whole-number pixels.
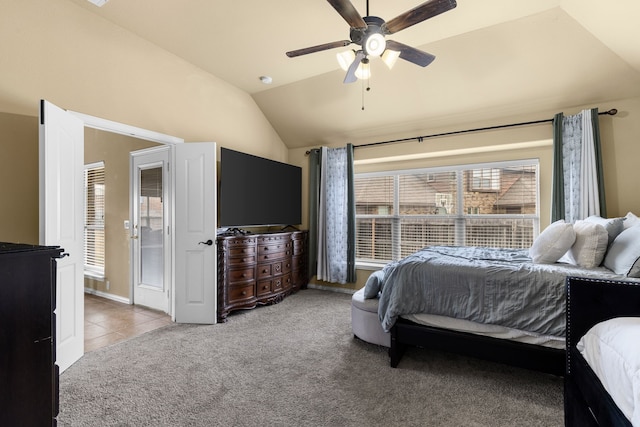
[
  {"x": 244, "y": 274},
  {"x": 265, "y": 287},
  {"x": 244, "y": 293}
]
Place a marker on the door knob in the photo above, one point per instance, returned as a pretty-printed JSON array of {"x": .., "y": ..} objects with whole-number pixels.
[{"x": 208, "y": 242}]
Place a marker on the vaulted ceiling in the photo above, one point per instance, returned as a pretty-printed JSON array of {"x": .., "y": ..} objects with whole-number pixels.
[{"x": 494, "y": 58}]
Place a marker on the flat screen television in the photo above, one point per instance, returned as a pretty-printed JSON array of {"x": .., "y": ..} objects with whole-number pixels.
[{"x": 255, "y": 191}]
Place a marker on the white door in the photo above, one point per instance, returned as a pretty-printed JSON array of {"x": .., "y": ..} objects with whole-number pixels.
[
  {"x": 195, "y": 232},
  {"x": 61, "y": 222},
  {"x": 150, "y": 244}
]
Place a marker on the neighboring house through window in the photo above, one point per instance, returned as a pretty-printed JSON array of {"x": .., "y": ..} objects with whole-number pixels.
[
  {"x": 94, "y": 236},
  {"x": 399, "y": 212}
]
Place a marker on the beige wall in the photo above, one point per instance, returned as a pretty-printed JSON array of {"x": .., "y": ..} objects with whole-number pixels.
[
  {"x": 620, "y": 151},
  {"x": 55, "y": 50},
  {"x": 113, "y": 149},
  {"x": 58, "y": 51},
  {"x": 18, "y": 179}
]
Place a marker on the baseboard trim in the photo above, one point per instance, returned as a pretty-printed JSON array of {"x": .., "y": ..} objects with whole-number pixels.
[
  {"x": 107, "y": 295},
  {"x": 331, "y": 288}
]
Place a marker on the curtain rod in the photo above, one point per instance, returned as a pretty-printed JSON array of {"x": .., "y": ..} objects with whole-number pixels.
[{"x": 611, "y": 112}]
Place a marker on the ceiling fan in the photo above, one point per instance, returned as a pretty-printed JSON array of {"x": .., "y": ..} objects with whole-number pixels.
[{"x": 369, "y": 33}]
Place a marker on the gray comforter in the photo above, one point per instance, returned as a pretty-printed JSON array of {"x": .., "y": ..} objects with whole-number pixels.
[{"x": 486, "y": 285}]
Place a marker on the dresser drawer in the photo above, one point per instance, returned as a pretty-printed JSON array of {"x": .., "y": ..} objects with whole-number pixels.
[
  {"x": 241, "y": 293},
  {"x": 297, "y": 262},
  {"x": 241, "y": 275},
  {"x": 273, "y": 256},
  {"x": 277, "y": 247},
  {"x": 249, "y": 259},
  {"x": 264, "y": 288},
  {"x": 298, "y": 246},
  {"x": 241, "y": 251}
]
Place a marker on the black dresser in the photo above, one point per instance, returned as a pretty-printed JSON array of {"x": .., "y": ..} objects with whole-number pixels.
[{"x": 28, "y": 373}]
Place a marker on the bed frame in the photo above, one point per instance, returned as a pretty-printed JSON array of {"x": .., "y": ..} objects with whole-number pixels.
[
  {"x": 590, "y": 301},
  {"x": 405, "y": 333}
]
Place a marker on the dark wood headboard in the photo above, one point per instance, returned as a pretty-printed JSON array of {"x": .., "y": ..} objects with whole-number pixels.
[{"x": 590, "y": 301}]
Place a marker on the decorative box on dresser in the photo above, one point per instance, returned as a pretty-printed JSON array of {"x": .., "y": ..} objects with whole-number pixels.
[
  {"x": 258, "y": 269},
  {"x": 28, "y": 374}
]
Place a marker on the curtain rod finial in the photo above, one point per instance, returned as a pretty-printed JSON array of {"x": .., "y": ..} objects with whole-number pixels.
[{"x": 612, "y": 112}]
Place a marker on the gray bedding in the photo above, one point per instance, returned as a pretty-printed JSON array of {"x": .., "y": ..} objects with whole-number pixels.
[{"x": 486, "y": 285}]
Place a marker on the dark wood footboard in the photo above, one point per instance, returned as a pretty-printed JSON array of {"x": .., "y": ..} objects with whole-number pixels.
[
  {"x": 522, "y": 355},
  {"x": 590, "y": 301}
]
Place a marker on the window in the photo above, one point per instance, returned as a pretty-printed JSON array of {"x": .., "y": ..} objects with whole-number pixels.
[
  {"x": 94, "y": 238},
  {"x": 400, "y": 212}
]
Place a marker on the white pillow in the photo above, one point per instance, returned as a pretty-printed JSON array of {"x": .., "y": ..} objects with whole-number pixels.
[
  {"x": 623, "y": 255},
  {"x": 590, "y": 246},
  {"x": 614, "y": 226},
  {"x": 612, "y": 350},
  {"x": 552, "y": 243},
  {"x": 630, "y": 220}
]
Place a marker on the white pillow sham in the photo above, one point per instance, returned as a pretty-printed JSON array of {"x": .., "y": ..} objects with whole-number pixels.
[
  {"x": 552, "y": 243},
  {"x": 614, "y": 226},
  {"x": 612, "y": 350},
  {"x": 630, "y": 220},
  {"x": 623, "y": 255},
  {"x": 590, "y": 245}
]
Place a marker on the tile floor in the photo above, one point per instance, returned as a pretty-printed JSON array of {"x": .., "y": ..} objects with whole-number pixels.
[{"x": 107, "y": 322}]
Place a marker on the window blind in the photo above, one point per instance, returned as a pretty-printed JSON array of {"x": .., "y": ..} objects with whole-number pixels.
[
  {"x": 94, "y": 230},
  {"x": 400, "y": 212}
]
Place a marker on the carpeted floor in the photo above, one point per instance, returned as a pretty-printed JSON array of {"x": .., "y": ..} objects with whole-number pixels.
[{"x": 295, "y": 364}]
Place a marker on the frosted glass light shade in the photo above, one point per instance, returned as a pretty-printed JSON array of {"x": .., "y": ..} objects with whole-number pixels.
[
  {"x": 389, "y": 57},
  {"x": 346, "y": 58},
  {"x": 375, "y": 44}
]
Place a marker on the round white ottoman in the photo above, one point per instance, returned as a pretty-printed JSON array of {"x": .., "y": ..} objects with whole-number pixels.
[{"x": 364, "y": 320}]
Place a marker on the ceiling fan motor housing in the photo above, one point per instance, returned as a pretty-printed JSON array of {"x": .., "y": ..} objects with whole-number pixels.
[{"x": 360, "y": 35}]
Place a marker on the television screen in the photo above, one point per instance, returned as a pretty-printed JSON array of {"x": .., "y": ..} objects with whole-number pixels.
[{"x": 257, "y": 191}]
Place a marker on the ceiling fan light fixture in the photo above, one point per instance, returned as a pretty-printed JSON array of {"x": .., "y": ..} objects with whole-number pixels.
[
  {"x": 363, "y": 72},
  {"x": 375, "y": 44},
  {"x": 346, "y": 58},
  {"x": 389, "y": 57}
]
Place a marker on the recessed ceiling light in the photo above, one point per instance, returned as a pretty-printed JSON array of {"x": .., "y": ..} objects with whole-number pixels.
[
  {"x": 266, "y": 80},
  {"x": 98, "y": 3}
]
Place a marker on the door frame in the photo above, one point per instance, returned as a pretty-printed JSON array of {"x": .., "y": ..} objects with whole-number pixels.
[
  {"x": 168, "y": 209},
  {"x": 135, "y": 132}
]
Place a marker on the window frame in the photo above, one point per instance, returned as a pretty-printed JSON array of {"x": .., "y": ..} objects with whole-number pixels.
[{"x": 463, "y": 172}]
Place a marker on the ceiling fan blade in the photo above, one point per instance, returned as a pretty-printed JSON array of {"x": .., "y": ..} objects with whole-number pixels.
[
  {"x": 411, "y": 54},
  {"x": 351, "y": 72},
  {"x": 418, "y": 14},
  {"x": 346, "y": 9},
  {"x": 318, "y": 48}
]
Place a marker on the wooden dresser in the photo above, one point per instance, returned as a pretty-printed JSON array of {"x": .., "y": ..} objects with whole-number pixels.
[
  {"x": 28, "y": 373},
  {"x": 258, "y": 269}
]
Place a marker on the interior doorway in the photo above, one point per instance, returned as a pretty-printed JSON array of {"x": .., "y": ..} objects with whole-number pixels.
[
  {"x": 150, "y": 213},
  {"x": 61, "y": 168}
]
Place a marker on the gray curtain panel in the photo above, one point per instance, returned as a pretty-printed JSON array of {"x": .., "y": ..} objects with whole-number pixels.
[
  {"x": 332, "y": 215},
  {"x": 578, "y": 184}
]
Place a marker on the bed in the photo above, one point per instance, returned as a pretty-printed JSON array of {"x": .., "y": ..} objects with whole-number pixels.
[
  {"x": 504, "y": 305},
  {"x": 601, "y": 309}
]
